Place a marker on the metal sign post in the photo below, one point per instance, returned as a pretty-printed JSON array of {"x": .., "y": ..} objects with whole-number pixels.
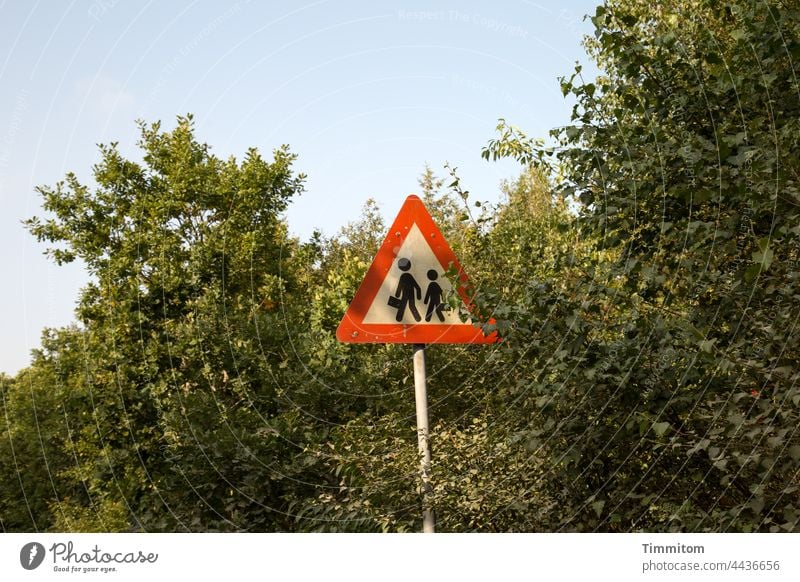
[
  {"x": 412, "y": 265},
  {"x": 423, "y": 437}
]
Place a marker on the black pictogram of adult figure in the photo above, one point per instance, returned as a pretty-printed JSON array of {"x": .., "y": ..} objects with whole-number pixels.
[
  {"x": 433, "y": 297},
  {"x": 407, "y": 290}
]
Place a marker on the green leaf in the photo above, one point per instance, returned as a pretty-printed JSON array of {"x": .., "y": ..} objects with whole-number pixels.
[
  {"x": 764, "y": 255},
  {"x": 707, "y": 346},
  {"x": 660, "y": 428}
]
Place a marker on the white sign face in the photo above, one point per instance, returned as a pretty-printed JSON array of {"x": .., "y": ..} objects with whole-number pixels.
[{"x": 415, "y": 291}]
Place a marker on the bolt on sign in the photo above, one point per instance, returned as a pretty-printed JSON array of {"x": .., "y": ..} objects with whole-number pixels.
[{"x": 404, "y": 297}]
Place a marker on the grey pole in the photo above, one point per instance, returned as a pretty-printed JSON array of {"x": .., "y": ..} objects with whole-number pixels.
[{"x": 423, "y": 434}]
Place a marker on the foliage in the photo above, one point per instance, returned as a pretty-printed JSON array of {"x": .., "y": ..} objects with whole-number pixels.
[
  {"x": 671, "y": 392},
  {"x": 642, "y": 275},
  {"x": 180, "y": 328}
]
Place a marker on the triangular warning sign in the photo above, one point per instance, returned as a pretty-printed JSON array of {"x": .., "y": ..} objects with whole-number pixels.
[{"x": 404, "y": 295}]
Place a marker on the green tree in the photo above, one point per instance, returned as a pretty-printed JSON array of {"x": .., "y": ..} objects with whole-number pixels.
[
  {"x": 484, "y": 476},
  {"x": 182, "y": 326},
  {"x": 670, "y": 391}
]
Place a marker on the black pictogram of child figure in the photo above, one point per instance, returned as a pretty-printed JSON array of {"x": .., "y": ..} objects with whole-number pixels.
[
  {"x": 407, "y": 290},
  {"x": 433, "y": 297}
]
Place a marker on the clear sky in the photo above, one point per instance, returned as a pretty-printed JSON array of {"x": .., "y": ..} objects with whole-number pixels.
[{"x": 365, "y": 92}]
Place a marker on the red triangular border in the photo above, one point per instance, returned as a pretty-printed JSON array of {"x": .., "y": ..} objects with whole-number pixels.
[{"x": 352, "y": 328}]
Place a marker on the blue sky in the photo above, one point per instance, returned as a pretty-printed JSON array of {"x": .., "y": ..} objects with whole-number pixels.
[{"x": 365, "y": 92}]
